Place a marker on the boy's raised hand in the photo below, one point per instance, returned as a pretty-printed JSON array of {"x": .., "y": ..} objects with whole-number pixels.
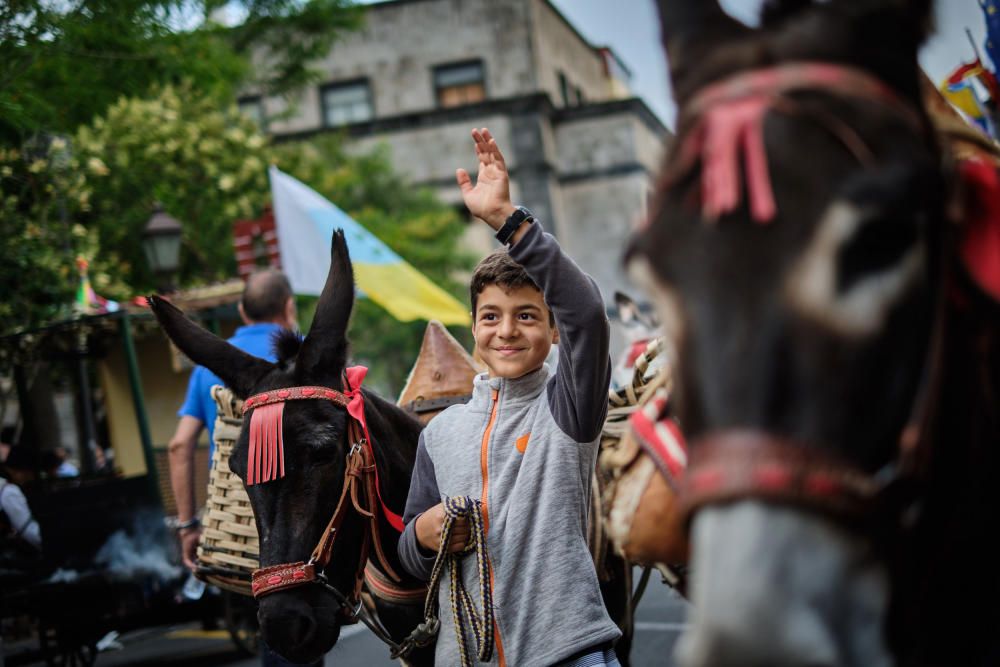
[
  {"x": 428, "y": 529},
  {"x": 489, "y": 199}
]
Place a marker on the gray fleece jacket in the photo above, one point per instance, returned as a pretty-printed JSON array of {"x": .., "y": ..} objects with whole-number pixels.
[{"x": 526, "y": 447}]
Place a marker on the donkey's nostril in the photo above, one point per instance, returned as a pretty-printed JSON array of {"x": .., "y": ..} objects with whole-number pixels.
[{"x": 292, "y": 629}]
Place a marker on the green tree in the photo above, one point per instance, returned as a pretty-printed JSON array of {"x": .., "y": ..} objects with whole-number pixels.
[
  {"x": 62, "y": 63},
  {"x": 92, "y": 195}
]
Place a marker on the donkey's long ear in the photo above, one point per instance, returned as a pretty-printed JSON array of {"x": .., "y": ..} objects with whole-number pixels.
[
  {"x": 324, "y": 351},
  {"x": 239, "y": 370},
  {"x": 690, "y": 29}
]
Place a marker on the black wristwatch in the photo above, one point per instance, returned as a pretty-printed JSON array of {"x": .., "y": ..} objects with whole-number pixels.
[{"x": 513, "y": 223}]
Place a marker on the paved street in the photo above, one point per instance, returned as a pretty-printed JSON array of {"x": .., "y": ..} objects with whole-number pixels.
[{"x": 658, "y": 623}]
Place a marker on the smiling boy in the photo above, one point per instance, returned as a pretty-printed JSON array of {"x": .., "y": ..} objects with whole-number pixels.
[{"x": 525, "y": 445}]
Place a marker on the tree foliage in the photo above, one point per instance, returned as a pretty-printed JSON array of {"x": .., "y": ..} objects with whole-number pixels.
[
  {"x": 107, "y": 106},
  {"x": 63, "y": 62},
  {"x": 92, "y": 195}
]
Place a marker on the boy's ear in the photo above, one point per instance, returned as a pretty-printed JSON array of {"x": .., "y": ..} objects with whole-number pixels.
[{"x": 555, "y": 335}]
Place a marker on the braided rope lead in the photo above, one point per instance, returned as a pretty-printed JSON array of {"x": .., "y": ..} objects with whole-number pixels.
[{"x": 463, "y": 608}]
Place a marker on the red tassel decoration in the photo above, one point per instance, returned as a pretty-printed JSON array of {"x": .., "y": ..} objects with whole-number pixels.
[{"x": 266, "y": 460}]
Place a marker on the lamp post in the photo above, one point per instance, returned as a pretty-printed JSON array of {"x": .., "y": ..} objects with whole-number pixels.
[{"x": 161, "y": 241}]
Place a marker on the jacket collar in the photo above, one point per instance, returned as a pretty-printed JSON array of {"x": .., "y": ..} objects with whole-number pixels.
[{"x": 526, "y": 387}]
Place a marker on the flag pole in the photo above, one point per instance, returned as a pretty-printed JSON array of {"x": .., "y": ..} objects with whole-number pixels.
[{"x": 975, "y": 49}]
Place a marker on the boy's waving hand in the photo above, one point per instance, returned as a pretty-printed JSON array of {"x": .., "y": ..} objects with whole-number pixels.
[{"x": 489, "y": 199}]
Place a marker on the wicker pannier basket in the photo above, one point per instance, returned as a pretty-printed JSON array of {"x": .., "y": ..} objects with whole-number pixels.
[{"x": 229, "y": 550}]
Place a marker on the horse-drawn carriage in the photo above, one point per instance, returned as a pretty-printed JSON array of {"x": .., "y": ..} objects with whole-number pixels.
[
  {"x": 108, "y": 565},
  {"x": 109, "y": 561}
]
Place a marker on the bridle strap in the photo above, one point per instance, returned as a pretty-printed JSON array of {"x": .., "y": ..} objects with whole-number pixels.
[
  {"x": 295, "y": 394},
  {"x": 724, "y": 120},
  {"x": 359, "y": 472},
  {"x": 737, "y": 464},
  {"x": 783, "y": 78}
]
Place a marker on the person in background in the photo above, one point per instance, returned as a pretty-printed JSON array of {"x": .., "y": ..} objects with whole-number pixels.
[
  {"x": 20, "y": 536},
  {"x": 55, "y": 463}
]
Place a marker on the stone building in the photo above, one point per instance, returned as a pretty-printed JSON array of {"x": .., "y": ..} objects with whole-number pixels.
[{"x": 582, "y": 151}]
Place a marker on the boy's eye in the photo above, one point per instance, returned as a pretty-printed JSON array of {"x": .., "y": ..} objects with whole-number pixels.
[
  {"x": 488, "y": 316},
  {"x": 526, "y": 316}
]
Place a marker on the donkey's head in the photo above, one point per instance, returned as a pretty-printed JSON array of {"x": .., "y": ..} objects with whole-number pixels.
[
  {"x": 292, "y": 511},
  {"x": 799, "y": 303},
  {"x": 812, "y": 323}
]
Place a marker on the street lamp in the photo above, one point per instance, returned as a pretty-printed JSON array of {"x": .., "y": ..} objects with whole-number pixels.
[{"x": 161, "y": 240}]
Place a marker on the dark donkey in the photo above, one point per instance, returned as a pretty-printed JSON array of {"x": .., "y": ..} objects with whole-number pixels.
[
  {"x": 303, "y": 622},
  {"x": 826, "y": 378}
]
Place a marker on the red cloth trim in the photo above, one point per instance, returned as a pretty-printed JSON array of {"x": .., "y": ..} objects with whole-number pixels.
[
  {"x": 272, "y": 451},
  {"x": 729, "y": 127},
  {"x": 661, "y": 438},
  {"x": 980, "y": 243},
  {"x": 637, "y": 348},
  {"x": 266, "y": 458},
  {"x": 354, "y": 376},
  {"x": 727, "y": 117}
]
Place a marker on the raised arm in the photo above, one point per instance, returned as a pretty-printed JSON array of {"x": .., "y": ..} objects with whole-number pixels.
[{"x": 578, "y": 394}]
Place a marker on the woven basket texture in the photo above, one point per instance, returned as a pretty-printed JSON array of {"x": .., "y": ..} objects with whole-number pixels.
[{"x": 229, "y": 550}]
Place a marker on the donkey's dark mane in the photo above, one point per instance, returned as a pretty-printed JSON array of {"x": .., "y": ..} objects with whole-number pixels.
[{"x": 287, "y": 344}]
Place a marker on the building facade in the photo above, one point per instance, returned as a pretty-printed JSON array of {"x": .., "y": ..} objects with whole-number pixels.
[{"x": 582, "y": 151}]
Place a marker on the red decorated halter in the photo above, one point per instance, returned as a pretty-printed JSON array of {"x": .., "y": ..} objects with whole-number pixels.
[
  {"x": 266, "y": 459},
  {"x": 726, "y": 119}
]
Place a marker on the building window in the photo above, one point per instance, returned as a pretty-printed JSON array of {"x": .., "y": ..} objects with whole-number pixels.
[
  {"x": 253, "y": 108},
  {"x": 564, "y": 89},
  {"x": 459, "y": 84},
  {"x": 345, "y": 103}
]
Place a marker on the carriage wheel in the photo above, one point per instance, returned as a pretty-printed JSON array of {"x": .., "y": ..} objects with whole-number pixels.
[{"x": 241, "y": 622}]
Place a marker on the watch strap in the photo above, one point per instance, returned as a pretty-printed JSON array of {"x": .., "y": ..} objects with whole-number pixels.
[{"x": 512, "y": 224}]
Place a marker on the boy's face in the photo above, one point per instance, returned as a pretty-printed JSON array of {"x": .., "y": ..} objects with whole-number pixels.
[{"x": 512, "y": 330}]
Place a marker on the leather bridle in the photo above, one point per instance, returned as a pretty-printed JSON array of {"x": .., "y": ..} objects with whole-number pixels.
[{"x": 360, "y": 493}]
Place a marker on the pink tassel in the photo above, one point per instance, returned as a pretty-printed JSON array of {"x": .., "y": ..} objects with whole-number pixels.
[{"x": 266, "y": 459}]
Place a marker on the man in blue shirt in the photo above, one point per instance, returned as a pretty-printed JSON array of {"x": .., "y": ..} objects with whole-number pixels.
[{"x": 267, "y": 307}]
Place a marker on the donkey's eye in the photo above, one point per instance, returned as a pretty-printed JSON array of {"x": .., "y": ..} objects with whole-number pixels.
[
  {"x": 323, "y": 453},
  {"x": 876, "y": 247},
  {"x": 856, "y": 267}
]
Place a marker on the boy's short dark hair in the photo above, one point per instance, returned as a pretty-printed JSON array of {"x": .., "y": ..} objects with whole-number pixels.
[{"x": 499, "y": 269}]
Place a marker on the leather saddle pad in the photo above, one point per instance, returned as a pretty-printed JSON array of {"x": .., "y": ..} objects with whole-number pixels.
[{"x": 441, "y": 376}]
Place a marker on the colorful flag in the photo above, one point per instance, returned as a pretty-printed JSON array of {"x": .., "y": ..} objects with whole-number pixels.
[
  {"x": 87, "y": 300},
  {"x": 991, "y": 14},
  {"x": 960, "y": 90},
  {"x": 306, "y": 220}
]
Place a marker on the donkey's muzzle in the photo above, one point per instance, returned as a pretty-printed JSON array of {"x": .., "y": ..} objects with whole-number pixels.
[{"x": 296, "y": 629}]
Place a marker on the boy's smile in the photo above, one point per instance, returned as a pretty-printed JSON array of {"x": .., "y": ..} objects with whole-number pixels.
[{"x": 512, "y": 330}]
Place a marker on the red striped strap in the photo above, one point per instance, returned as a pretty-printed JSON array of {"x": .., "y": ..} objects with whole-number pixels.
[
  {"x": 661, "y": 439},
  {"x": 737, "y": 464}
]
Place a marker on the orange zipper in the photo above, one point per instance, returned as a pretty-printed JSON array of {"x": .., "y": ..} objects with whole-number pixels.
[{"x": 484, "y": 454}]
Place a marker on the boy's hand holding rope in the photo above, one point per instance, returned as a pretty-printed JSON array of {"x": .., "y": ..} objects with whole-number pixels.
[{"x": 461, "y": 512}]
